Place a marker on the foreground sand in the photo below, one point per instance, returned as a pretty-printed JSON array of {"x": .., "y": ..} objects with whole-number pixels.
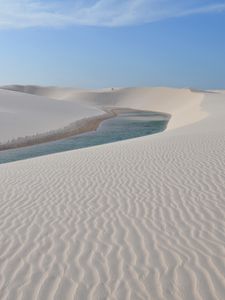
[{"x": 138, "y": 219}]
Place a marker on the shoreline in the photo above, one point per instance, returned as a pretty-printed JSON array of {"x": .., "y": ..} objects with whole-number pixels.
[
  {"x": 78, "y": 127},
  {"x": 73, "y": 129}
]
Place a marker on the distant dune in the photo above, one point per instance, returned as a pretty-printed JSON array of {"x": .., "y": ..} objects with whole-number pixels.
[{"x": 137, "y": 219}]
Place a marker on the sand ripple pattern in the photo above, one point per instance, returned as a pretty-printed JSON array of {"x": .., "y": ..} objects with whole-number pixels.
[{"x": 139, "y": 219}]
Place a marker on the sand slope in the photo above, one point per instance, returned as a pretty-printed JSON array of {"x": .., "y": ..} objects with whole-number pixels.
[
  {"x": 138, "y": 219},
  {"x": 24, "y": 115}
]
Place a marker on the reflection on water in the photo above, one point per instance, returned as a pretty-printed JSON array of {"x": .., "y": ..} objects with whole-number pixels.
[{"x": 124, "y": 126}]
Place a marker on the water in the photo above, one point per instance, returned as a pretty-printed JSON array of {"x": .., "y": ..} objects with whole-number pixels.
[{"x": 124, "y": 126}]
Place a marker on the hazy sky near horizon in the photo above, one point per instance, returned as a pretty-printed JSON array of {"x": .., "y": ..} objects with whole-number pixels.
[{"x": 106, "y": 43}]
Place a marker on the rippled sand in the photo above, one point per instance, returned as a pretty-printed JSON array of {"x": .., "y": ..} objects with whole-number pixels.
[{"x": 138, "y": 219}]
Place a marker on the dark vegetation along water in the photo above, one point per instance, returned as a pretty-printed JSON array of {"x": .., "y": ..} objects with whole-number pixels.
[{"x": 124, "y": 126}]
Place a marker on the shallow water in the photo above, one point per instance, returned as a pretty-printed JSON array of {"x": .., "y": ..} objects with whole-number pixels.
[{"x": 124, "y": 126}]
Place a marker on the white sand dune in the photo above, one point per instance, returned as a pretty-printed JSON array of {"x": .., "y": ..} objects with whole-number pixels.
[
  {"x": 25, "y": 115},
  {"x": 138, "y": 219}
]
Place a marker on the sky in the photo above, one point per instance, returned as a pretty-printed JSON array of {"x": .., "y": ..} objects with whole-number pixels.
[{"x": 112, "y": 43}]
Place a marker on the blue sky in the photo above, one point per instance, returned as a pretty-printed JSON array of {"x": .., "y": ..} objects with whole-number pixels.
[{"x": 105, "y": 43}]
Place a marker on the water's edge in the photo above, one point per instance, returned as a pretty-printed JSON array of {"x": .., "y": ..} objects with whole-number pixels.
[
  {"x": 115, "y": 125},
  {"x": 73, "y": 129}
]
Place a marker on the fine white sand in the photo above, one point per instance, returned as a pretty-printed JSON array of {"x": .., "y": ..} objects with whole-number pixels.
[
  {"x": 26, "y": 115},
  {"x": 137, "y": 219}
]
